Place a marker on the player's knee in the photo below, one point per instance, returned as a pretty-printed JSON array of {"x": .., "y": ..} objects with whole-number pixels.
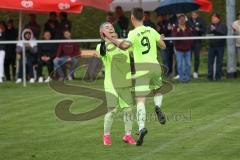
[
  {"x": 112, "y": 110},
  {"x": 140, "y": 99}
]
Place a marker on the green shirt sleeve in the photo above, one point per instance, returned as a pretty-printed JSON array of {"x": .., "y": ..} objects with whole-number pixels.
[{"x": 157, "y": 36}]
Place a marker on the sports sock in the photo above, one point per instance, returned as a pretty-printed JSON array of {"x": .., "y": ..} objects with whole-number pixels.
[
  {"x": 108, "y": 120},
  {"x": 141, "y": 115},
  {"x": 158, "y": 100},
  {"x": 128, "y": 118}
]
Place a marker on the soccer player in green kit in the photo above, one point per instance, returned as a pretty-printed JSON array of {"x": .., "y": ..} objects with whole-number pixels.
[
  {"x": 116, "y": 85},
  {"x": 143, "y": 41}
]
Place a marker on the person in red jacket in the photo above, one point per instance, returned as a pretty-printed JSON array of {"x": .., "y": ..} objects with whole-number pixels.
[
  {"x": 66, "y": 53},
  {"x": 183, "y": 49}
]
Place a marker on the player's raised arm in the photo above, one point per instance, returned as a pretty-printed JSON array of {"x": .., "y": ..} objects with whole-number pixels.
[
  {"x": 122, "y": 44},
  {"x": 159, "y": 39}
]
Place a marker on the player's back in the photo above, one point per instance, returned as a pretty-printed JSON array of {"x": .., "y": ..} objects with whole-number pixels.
[{"x": 144, "y": 44}]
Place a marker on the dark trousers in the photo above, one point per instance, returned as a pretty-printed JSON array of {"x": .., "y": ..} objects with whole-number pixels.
[
  {"x": 218, "y": 53},
  {"x": 196, "y": 48},
  {"x": 10, "y": 63},
  {"x": 31, "y": 61},
  {"x": 41, "y": 64},
  {"x": 167, "y": 58}
]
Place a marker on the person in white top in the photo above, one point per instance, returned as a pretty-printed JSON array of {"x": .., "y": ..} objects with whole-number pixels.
[
  {"x": 2, "y": 50},
  {"x": 236, "y": 31}
]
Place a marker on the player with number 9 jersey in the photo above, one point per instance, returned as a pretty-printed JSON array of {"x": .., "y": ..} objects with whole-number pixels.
[{"x": 144, "y": 44}]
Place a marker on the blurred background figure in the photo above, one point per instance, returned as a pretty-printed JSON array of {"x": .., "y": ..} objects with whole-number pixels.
[
  {"x": 65, "y": 23},
  {"x": 2, "y": 49},
  {"x": 10, "y": 58},
  {"x": 164, "y": 27},
  {"x": 66, "y": 53},
  {"x": 236, "y": 31},
  {"x": 122, "y": 21},
  {"x": 183, "y": 49},
  {"x": 147, "y": 20},
  {"x": 52, "y": 25},
  {"x": 46, "y": 53},
  {"x": 197, "y": 25},
  {"x": 111, "y": 19},
  {"x": 31, "y": 56},
  {"x": 33, "y": 25},
  {"x": 216, "y": 47}
]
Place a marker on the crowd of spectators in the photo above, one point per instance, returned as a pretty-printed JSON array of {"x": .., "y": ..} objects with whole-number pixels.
[
  {"x": 51, "y": 55},
  {"x": 177, "y": 56}
]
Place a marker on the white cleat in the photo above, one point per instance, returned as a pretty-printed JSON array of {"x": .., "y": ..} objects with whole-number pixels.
[
  {"x": 19, "y": 80},
  {"x": 176, "y": 77},
  {"x": 32, "y": 80},
  {"x": 47, "y": 80},
  {"x": 40, "y": 80},
  {"x": 195, "y": 75},
  {"x": 1, "y": 80},
  {"x": 70, "y": 78}
]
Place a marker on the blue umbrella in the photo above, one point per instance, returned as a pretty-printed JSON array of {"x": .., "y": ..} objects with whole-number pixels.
[{"x": 176, "y": 6}]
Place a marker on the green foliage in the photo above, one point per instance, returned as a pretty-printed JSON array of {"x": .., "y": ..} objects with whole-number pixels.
[{"x": 86, "y": 24}]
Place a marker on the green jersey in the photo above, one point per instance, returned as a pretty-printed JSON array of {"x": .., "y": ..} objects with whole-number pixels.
[
  {"x": 144, "y": 44},
  {"x": 117, "y": 67}
]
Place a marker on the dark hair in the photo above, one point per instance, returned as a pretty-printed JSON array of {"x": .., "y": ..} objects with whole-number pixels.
[
  {"x": 53, "y": 14},
  {"x": 32, "y": 15},
  {"x": 64, "y": 14},
  {"x": 138, "y": 13},
  {"x": 10, "y": 21},
  {"x": 147, "y": 13},
  {"x": 238, "y": 14},
  {"x": 215, "y": 14},
  {"x": 119, "y": 7},
  {"x": 110, "y": 14}
]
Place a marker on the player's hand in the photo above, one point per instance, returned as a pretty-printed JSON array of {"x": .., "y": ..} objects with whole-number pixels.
[
  {"x": 213, "y": 27},
  {"x": 105, "y": 33},
  {"x": 18, "y": 56},
  {"x": 162, "y": 37},
  {"x": 178, "y": 29},
  {"x": 69, "y": 59}
]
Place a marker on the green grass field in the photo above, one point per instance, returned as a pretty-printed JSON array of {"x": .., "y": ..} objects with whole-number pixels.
[{"x": 204, "y": 123}]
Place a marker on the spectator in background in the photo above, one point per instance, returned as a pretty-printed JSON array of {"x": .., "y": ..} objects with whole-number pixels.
[
  {"x": 65, "y": 23},
  {"x": 216, "y": 47},
  {"x": 31, "y": 55},
  {"x": 183, "y": 49},
  {"x": 34, "y": 26},
  {"x": 197, "y": 25},
  {"x": 52, "y": 25},
  {"x": 2, "y": 49},
  {"x": 164, "y": 27},
  {"x": 10, "y": 59},
  {"x": 46, "y": 53},
  {"x": 122, "y": 21},
  {"x": 111, "y": 19},
  {"x": 66, "y": 52},
  {"x": 236, "y": 31},
  {"x": 147, "y": 20}
]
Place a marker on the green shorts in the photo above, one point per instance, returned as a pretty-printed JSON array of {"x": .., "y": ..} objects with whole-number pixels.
[
  {"x": 148, "y": 82},
  {"x": 119, "y": 98}
]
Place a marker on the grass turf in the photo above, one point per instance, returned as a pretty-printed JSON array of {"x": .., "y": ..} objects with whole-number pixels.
[{"x": 203, "y": 123}]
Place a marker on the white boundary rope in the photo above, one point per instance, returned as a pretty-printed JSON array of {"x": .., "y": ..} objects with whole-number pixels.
[{"x": 98, "y": 40}]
